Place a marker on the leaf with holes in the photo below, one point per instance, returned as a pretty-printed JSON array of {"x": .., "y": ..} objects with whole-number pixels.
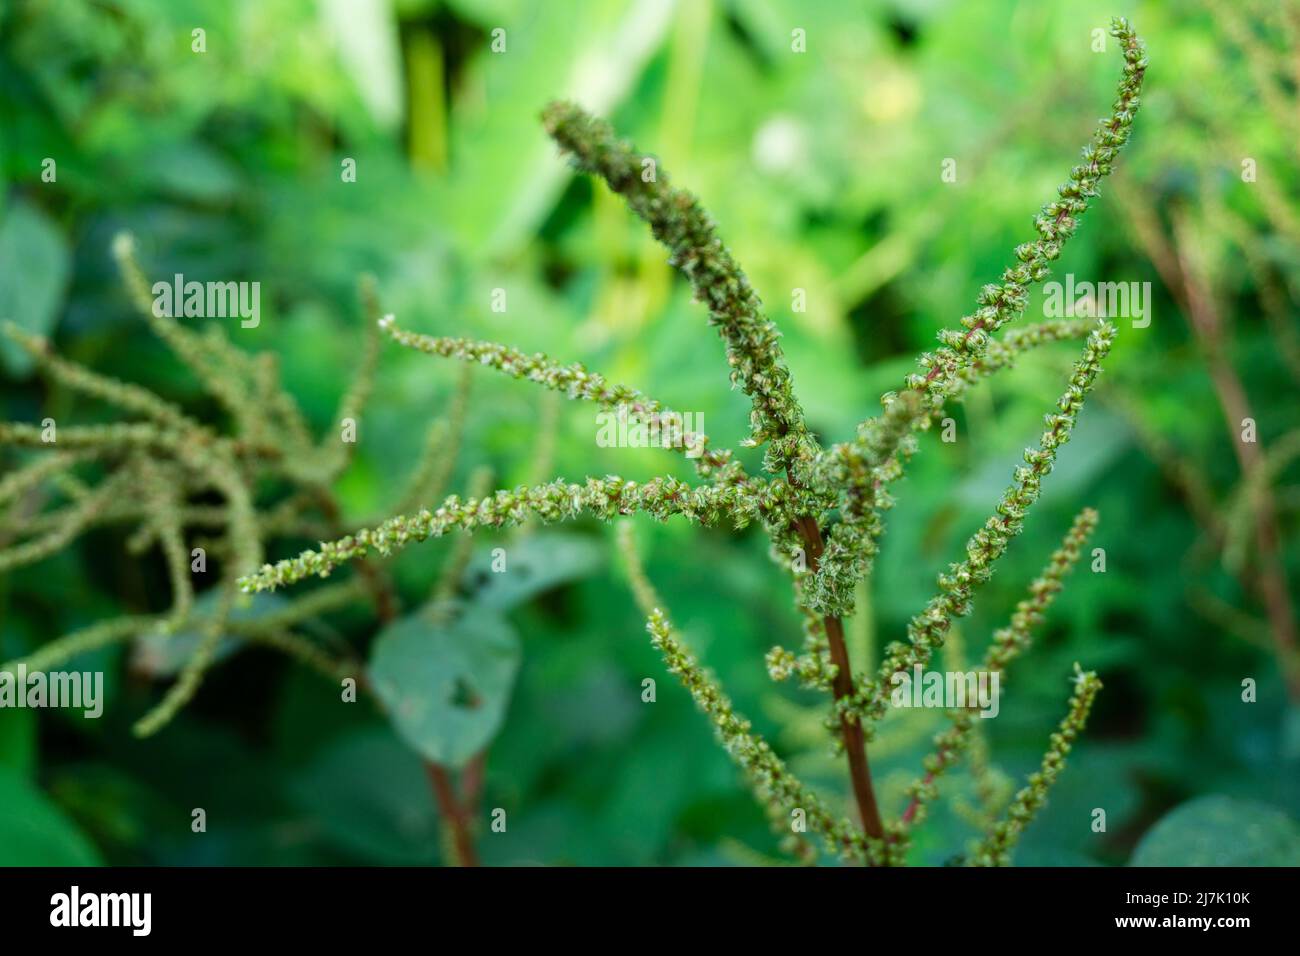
[{"x": 445, "y": 680}]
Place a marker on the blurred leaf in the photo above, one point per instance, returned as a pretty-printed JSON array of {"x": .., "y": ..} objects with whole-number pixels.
[
  {"x": 121, "y": 813},
  {"x": 35, "y": 832},
  {"x": 18, "y": 741},
  {"x": 366, "y": 35},
  {"x": 309, "y": 716},
  {"x": 595, "y": 58},
  {"x": 192, "y": 171},
  {"x": 33, "y": 276},
  {"x": 534, "y": 564},
  {"x": 1291, "y": 734},
  {"x": 1221, "y": 831},
  {"x": 446, "y": 683},
  {"x": 371, "y": 797},
  {"x": 1097, "y": 441}
]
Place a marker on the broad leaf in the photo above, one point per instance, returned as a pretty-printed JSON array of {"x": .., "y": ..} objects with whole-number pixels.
[
  {"x": 33, "y": 278},
  {"x": 370, "y": 796},
  {"x": 35, "y": 832},
  {"x": 445, "y": 680},
  {"x": 1221, "y": 831},
  {"x": 508, "y": 575},
  {"x": 18, "y": 741}
]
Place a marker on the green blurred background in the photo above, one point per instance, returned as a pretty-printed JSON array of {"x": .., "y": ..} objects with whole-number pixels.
[{"x": 822, "y": 169}]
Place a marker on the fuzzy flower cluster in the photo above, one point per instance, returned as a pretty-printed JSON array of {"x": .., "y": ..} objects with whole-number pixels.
[
  {"x": 604, "y": 498},
  {"x": 1055, "y": 223},
  {"x": 957, "y": 588},
  {"x": 188, "y": 488},
  {"x": 824, "y": 516},
  {"x": 860, "y": 470},
  {"x": 963, "y": 353},
  {"x": 1008, "y": 643},
  {"x": 680, "y": 223},
  {"x": 752, "y": 753},
  {"x": 995, "y": 849},
  {"x": 572, "y": 380}
]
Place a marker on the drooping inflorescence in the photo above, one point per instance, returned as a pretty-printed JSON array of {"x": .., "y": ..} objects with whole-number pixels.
[{"x": 159, "y": 471}]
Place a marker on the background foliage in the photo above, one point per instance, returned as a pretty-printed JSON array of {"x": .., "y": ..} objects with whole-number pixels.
[{"x": 822, "y": 170}]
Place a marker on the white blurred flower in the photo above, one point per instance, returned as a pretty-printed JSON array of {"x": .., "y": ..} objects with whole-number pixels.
[{"x": 780, "y": 145}]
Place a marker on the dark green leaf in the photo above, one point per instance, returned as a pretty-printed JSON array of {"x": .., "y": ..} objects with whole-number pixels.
[
  {"x": 371, "y": 797},
  {"x": 35, "y": 832},
  {"x": 507, "y": 575},
  {"x": 163, "y": 655}
]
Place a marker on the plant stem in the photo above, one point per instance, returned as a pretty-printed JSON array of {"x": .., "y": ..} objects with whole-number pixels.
[
  {"x": 855, "y": 743},
  {"x": 1207, "y": 326},
  {"x": 453, "y": 814},
  {"x": 1193, "y": 291}
]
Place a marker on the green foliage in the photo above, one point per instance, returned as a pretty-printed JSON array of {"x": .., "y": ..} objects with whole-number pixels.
[
  {"x": 369, "y": 794},
  {"x": 35, "y": 274},
  {"x": 1221, "y": 831},
  {"x": 821, "y": 171},
  {"x": 35, "y": 832},
  {"x": 538, "y": 563}
]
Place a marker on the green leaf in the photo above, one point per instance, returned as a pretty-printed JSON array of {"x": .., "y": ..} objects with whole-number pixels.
[
  {"x": 18, "y": 741},
  {"x": 529, "y": 566},
  {"x": 446, "y": 681},
  {"x": 366, "y": 37},
  {"x": 1221, "y": 831},
  {"x": 370, "y": 796},
  {"x": 35, "y": 832},
  {"x": 33, "y": 279},
  {"x": 597, "y": 58},
  {"x": 193, "y": 171}
]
